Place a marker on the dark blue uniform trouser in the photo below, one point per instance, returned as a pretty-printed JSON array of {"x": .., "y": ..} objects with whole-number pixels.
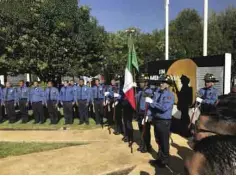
[
  {"x": 127, "y": 119},
  {"x": 162, "y": 134},
  {"x": 68, "y": 112},
  {"x": 23, "y": 110},
  {"x": 52, "y": 111},
  {"x": 10, "y": 108},
  {"x": 99, "y": 110},
  {"x": 83, "y": 111},
  {"x": 38, "y": 112}
]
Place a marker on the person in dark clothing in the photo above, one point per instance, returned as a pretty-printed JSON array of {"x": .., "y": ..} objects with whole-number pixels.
[
  {"x": 37, "y": 99},
  {"x": 10, "y": 100},
  {"x": 51, "y": 101},
  {"x": 23, "y": 95}
]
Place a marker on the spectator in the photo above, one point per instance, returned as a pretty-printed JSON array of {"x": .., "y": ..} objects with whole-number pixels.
[
  {"x": 222, "y": 122},
  {"x": 215, "y": 155}
]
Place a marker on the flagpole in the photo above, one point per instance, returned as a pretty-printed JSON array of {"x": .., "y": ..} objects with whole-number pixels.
[
  {"x": 167, "y": 29},
  {"x": 205, "y": 28}
]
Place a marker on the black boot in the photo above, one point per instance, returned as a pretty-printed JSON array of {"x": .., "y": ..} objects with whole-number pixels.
[{"x": 125, "y": 139}]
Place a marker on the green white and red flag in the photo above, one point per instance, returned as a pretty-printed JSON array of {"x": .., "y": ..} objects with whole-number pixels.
[{"x": 131, "y": 67}]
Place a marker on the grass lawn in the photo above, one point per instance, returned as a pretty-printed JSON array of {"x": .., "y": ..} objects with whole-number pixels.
[
  {"x": 21, "y": 148},
  {"x": 46, "y": 126}
]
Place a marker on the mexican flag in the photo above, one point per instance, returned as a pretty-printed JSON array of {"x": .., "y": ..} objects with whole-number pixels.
[{"x": 131, "y": 67}]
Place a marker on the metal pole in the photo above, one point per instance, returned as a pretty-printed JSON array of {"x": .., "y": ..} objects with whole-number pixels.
[
  {"x": 167, "y": 29},
  {"x": 205, "y": 27}
]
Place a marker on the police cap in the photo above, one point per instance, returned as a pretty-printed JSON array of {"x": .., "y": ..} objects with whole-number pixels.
[{"x": 210, "y": 78}]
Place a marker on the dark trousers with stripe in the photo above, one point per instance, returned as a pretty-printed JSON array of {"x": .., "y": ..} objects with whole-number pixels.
[
  {"x": 118, "y": 118},
  {"x": 147, "y": 133},
  {"x": 98, "y": 106},
  {"x": 68, "y": 112},
  {"x": 11, "y": 113},
  {"x": 23, "y": 110},
  {"x": 83, "y": 111},
  {"x": 162, "y": 134},
  {"x": 1, "y": 113},
  {"x": 127, "y": 119},
  {"x": 52, "y": 111},
  {"x": 38, "y": 111}
]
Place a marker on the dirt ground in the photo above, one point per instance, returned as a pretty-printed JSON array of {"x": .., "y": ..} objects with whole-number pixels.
[{"x": 104, "y": 154}]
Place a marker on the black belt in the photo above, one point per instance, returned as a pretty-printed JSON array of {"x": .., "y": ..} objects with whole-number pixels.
[
  {"x": 83, "y": 100},
  {"x": 98, "y": 98},
  {"x": 23, "y": 99},
  {"x": 159, "y": 119},
  {"x": 67, "y": 101},
  {"x": 9, "y": 101},
  {"x": 37, "y": 102}
]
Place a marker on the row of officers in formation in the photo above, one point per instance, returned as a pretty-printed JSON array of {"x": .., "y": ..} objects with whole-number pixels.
[{"x": 154, "y": 106}]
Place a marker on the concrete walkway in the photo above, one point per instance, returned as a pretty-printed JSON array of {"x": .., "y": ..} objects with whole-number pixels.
[{"x": 104, "y": 154}]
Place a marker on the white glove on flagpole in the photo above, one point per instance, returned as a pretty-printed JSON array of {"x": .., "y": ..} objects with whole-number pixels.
[
  {"x": 148, "y": 100},
  {"x": 116, "y": 95},
  {"x": 135, "y": 84},
  {"x": 199, "y": 100},
  {"x": 106, "y": 94}
]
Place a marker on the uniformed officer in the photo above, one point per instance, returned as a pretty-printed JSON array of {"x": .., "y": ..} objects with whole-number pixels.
[
  {"x": 75, "y": 108},
  {"x": 1, "y": 103},
  {"x": 114, "y": 115},
  {"x": 97, "y": 96},
  {"x": 67, "y": 100},
  {"x": 37, "y": 99},
  {"x": 208, "y": 95},
  {"x": 82, "y": 98},
  {"x": 160, "y": 112},
  {"x": 23, "y": 95},
  {"x": 145, "y": 132},
  {"x": 51, "y": 101},
  {"x": 10, "y": 100}
]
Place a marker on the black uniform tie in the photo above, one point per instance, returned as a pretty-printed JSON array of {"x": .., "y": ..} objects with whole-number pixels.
[{"x": 49, "y": 96}]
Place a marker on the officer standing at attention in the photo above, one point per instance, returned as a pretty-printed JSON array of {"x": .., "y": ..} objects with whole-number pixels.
[
  {"x": 144, "y": 92},
  {"x": 114, "y": 114},
  {"x": 208, "y": 95},
  {"x": 75, "y": 108},
  {"x": 82, "y": 100},
  {"x": 51, "y": 101},
  {"x": 1, "y": 103},
  {"x": 10, "y": 100},
  {"x": 97, "y": 96},
  {"x": 67, "y": 99},
  {"x": 23, "y": 94},
  {"x": 37, "y": 99},
  {"x": 160, "y": 112}
]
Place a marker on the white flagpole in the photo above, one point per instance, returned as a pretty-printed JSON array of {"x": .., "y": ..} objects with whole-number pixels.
[
  {"x": 205, "y": 28},
  {"x": 167, "y": 29}
]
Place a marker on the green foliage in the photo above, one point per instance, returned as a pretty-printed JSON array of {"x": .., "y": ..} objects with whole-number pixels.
[
  {"x": 49, "y": 38},
  {"x": 21, "y": 148},
  {"x": 54, "y": 38}
]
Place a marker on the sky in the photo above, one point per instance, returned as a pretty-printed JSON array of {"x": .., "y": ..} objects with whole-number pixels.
[{"x": 147, "y": 15}]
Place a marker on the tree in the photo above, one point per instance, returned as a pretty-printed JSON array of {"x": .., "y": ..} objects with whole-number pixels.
[
  {"x": 50, "y": 37},
  {"x": 186, "y": 34}
]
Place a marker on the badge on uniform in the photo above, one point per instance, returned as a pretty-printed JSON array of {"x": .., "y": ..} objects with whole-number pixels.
[{"x": 169, "y": 98}]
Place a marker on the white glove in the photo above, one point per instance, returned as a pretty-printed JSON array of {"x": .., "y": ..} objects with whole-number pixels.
[
  {"x": 143, "y": 122},
  {"x": 116, "y": 95},
  {"x": 114, "y": 104},
  {"x": 106, "y": 94},
  {"x": 199, "y": 100},
  {"x": 148, "y": 100},
  {"x": 135, "y": 84}
]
